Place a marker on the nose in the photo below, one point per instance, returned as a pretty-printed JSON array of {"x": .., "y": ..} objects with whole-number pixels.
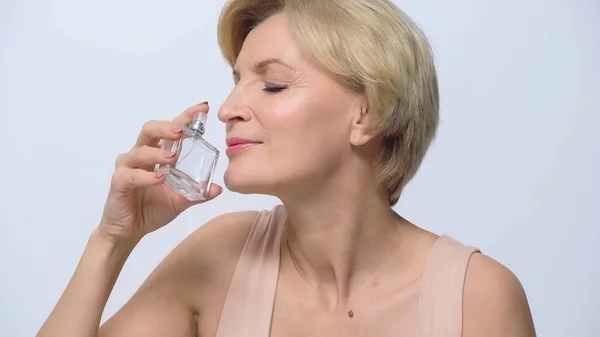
[{"x": 234, "y": 109}]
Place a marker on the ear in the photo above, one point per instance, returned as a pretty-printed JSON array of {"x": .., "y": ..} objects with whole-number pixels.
[{"x": 362, "y": 130}]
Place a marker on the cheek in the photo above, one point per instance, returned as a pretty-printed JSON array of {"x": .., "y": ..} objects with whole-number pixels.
[
  {"x": 306, "y": 114},
  {"x": 307, "y": 145},
  {"x": 305, "y": 129}
]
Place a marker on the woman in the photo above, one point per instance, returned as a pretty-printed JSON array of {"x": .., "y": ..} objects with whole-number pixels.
[{"x": 338, "y": 103}]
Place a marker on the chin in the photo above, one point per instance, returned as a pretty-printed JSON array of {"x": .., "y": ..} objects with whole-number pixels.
[
  {"x": 248, "y": 179},
  {"x": 255, "y": 174},
  {"x": 239, "y": 185}
]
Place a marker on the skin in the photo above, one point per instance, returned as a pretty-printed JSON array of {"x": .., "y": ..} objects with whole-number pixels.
[{"x": 344, "y": 248}]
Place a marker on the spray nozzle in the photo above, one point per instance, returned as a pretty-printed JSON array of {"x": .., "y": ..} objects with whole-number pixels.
[{"x": 199, "y": 122}]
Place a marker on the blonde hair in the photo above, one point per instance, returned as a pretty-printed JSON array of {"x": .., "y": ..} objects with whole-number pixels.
[{"x": 375, "y": 49}]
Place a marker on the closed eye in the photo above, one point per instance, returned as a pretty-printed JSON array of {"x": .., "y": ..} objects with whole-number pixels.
[{"x": 274, "y": 89}]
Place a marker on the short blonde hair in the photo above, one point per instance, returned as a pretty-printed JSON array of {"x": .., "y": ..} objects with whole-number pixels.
[{"x": 375, "y": 49}]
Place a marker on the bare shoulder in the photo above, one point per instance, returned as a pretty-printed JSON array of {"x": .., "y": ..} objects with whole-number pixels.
[
  {"x": 228, "y": 230},
  {"x": 495, "y": 303},
  {"x": 195, "y": 273},
  {"x": 215, "y": 247}
]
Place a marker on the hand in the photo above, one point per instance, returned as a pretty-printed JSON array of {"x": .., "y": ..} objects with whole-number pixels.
[{"x": 139, "y": 202}]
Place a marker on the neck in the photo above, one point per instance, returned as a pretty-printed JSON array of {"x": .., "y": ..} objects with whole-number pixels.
[{"x": 341, "y": 235}]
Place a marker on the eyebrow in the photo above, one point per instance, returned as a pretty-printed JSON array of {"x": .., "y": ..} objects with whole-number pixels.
[{"x": 266, "y": 62}]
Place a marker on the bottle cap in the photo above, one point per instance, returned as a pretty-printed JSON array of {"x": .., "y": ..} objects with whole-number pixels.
[{"x": 199, "y": 122}]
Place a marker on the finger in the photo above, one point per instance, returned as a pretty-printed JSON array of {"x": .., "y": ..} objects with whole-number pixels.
[
  {"x": 127, "y": 180},
  {"x": 153, "y": 131},
  {"x": 145, "y": 157},
  {"x": 188, "y": 115}
]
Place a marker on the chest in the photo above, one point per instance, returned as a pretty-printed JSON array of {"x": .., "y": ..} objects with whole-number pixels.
[
  {"x": 293, "y": 313},
  {"x": 385, "y": 312}
]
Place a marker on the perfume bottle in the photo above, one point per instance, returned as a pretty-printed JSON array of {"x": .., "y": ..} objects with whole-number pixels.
[{"x": 192, "y": 174}]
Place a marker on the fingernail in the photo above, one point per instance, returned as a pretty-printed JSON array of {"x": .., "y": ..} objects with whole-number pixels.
[
  {"x": 176, "y": 129},
  {"x": 169, "y": 154},
  {"x": 158, "y": 175},
  {"x": 205, "y": 102}
]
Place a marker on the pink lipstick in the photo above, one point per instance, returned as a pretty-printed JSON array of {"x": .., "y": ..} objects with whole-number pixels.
[{"x": 235, "y": 145}]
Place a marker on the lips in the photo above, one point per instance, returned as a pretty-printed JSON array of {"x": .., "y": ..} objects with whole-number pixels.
[{"x": 235, "y": 145}]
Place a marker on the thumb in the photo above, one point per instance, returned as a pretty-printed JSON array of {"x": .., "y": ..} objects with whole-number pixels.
[
  {"x": 182, "y": 203},
  {"x": 213, "y": 192}
]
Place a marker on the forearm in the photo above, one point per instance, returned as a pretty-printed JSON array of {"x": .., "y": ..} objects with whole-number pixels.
[{"x": 79, "y": 309}]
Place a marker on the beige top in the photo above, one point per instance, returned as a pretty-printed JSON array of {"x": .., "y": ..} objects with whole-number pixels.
[{"x": 248, "y": 308}]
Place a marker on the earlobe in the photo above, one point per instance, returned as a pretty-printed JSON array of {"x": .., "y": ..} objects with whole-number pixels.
[{"x": 361, "y": 136}]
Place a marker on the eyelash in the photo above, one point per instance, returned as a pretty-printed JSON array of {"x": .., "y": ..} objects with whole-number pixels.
[{"x": 274, "y": 89}]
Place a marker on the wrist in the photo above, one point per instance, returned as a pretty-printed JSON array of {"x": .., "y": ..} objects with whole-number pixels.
[{"x": 114, "y": 244}]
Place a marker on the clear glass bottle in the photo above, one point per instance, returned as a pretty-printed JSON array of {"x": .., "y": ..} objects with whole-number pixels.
[{"x": 192, "y": 174}]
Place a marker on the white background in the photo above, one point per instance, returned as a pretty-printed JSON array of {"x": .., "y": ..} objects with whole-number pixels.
[{"x": 513, "y": 171}]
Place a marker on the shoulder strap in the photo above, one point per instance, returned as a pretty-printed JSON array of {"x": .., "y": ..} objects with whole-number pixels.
[
  {"x": 441, "y": 296},
  {"x": 248, "y": 307}
]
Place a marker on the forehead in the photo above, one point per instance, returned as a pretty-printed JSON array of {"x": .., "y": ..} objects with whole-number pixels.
[{"x": 271, "y": 39}]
